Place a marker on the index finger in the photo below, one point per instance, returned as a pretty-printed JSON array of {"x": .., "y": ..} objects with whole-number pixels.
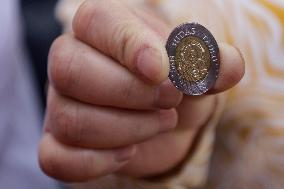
[{"x": 111, "y": 28}]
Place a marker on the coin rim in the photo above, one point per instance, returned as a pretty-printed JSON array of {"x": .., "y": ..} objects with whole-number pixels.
[{"x": 200, "y": 87}]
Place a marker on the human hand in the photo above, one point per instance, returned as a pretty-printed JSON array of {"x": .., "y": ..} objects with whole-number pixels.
[{"x": 111, "y": 108}]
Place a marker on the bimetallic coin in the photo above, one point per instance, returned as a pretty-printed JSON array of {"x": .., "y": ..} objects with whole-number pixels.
[{"x": 194, "y": 58}]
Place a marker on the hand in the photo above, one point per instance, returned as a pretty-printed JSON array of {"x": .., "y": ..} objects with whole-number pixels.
[{"x": 111, "y": 108}]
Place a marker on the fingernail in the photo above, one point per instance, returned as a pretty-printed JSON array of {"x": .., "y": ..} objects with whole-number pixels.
[
  {"x": 167, "y": 96},
  {"x": 168, "y": 120},
  {"x": 150, "y": 64},
  {"x": 124, "y": 154}
]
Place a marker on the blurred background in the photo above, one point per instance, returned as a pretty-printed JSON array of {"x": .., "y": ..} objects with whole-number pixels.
[
  {"x": 27, "y": 29},
  {"x": 40, "y": 29}
]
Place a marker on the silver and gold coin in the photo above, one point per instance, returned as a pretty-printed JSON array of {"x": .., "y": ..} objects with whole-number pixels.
[{"x": 194, "y": 58}]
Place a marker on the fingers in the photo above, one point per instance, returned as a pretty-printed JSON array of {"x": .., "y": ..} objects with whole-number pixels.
[
  {"x": 193, "y": 114},
  {"x": 122, "y": 36},
  {"x": 84, "y": 125},
  {"x": 159, "y": 155},
  {"x": 78, "y": 71},
  {"x": 232, "y": 68},
  {"x": 76, "y": 164},
  {"x": 131, "y": 39},
  {"x": 198, "y": 107}
]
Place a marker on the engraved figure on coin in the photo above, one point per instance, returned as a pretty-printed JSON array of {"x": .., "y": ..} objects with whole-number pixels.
[{"x": 192, "y": 59}]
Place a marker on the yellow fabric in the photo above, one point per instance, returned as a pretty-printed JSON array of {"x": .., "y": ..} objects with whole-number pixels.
[{"x": 249, "y": 147}]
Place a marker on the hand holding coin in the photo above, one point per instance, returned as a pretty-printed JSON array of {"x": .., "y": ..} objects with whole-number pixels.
[{"x": 111, "y": 107}]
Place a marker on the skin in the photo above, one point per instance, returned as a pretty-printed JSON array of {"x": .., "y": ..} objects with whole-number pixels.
[{"x": 111, "y": 108}]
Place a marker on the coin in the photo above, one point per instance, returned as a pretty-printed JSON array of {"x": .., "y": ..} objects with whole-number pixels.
[{"x": 194, "y": 58}]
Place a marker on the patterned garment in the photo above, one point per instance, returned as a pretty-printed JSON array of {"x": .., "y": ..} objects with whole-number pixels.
[{"x": 248, "y": 151}]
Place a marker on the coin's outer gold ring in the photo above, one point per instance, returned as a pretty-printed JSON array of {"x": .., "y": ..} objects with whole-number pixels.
[{"x": 195, "y": 30}]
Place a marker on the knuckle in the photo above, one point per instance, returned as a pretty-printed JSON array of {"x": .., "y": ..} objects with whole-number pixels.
[
  {"x": 48, "y": 161},
  {"x": 60, "y": 63},
  {"x": 54, "y": 161},
  {"x": 83, "y": 19},
  {"x": 63, "y": 121},
  {"x": 64, "y": 125},
  {"x": 88, "y": 25}
]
